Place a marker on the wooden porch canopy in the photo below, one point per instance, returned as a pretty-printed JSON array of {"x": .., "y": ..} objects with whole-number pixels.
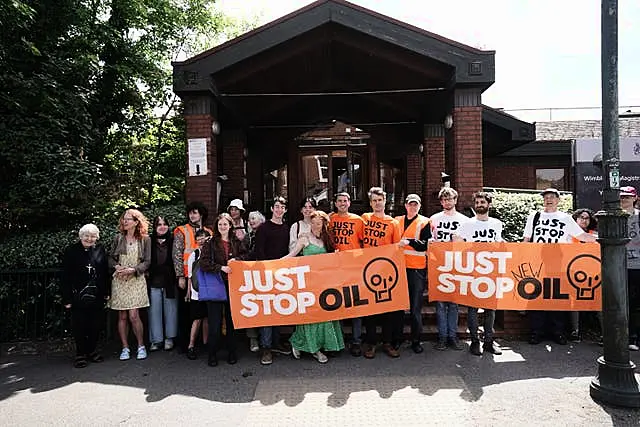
[{"x": 334, "y": 60}]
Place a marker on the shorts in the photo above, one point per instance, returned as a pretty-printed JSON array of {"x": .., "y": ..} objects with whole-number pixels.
[{"x": 198, "y": 310}]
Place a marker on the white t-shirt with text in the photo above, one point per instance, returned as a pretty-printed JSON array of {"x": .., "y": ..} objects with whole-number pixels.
[
  {"x": 476, "y": 230},
  {"x": 556, "y": 227},
  {"x": 633, "y": 247},
  {"x": 443, "y": 225}
]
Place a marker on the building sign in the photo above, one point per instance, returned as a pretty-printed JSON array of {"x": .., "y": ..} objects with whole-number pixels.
[
  {"x": 517, "y": 276},
  {"x": 587, "y": 155},
  {"x": 318, "y": 288},
  {"x": 197, "y": 154}
]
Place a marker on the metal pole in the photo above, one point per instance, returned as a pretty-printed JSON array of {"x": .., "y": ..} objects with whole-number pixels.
[{"x": 615, "y": 383}]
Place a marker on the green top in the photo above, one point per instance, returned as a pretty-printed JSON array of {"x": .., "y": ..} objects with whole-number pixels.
[{"x": 312, "y": 249}]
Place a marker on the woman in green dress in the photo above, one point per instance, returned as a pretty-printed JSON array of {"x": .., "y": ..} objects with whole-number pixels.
[{"x": 314, "y": 337}]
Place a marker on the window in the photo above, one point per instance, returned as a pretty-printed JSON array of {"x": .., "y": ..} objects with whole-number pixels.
[{"x": 550, "y": 178}]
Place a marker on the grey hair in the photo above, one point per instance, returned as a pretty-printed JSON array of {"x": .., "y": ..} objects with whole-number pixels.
[
  {"x": 256, "y": 215},
  {"x": 89, "y": 229}
]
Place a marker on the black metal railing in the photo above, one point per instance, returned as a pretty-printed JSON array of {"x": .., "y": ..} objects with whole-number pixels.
[{"x": 31, "y": 307}]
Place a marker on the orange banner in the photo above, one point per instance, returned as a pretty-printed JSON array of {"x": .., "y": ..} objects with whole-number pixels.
[
  {"x": 517, "y": 276},
  {"x": 317, "y": 288}
]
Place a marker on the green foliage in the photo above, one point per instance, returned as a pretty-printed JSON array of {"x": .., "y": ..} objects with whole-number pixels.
[
  {"x": 513, "y": 208},
  {"x": 45, "y": 249}
]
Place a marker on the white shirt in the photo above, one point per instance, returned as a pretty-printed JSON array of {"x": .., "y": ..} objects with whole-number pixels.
[
  {"x": 476, "y": 230},
  {"x": 443, "y": 225},
  {"x": 299, "y": 228},
  {"x": 556, "y": 227}
]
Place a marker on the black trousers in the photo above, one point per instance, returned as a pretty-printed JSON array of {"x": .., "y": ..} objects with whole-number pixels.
[
  {"x": 388, "y": 323},
  {"x": 215, "y": 311},
  {"x": 541, "y": 321},
  {"x": 86, "y": 323},
  {"x": 184, "y": 321}
]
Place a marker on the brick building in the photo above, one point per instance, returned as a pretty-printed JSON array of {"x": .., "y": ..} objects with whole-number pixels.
[{"x": 334, "y": 97}]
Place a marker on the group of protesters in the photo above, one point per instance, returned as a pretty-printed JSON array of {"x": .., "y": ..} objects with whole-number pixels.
[{"x": 155, "y": 269}]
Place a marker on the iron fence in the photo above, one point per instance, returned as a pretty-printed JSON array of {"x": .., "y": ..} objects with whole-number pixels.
[{"x": 31, "y": 306}]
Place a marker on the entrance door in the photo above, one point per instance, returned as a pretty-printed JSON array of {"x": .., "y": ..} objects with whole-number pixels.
[{"x": 326, "y": 171}]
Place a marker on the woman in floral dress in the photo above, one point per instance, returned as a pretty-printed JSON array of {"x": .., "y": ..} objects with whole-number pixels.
[
  {"x": 314, "y": 337},
  {"x": 129, "y": 259}
]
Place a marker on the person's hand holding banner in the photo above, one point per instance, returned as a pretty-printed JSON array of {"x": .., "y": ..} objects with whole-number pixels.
[
  {"x": 517, "y": 276},
  {"x": 318, "y": 288}
]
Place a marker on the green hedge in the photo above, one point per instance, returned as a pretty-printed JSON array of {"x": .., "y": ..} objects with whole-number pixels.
[
  {"x": 513, "y": 208},
  {"x": 44, "y": 250}
]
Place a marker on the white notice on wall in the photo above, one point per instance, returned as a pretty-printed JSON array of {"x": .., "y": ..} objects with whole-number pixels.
[{"x": 197, "y": 156}]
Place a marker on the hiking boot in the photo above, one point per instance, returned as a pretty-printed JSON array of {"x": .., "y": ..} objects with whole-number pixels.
[
  {"x": 474, "y": 348},
  {"x": 370, "y": 351},
  {"x": 441, "y": 344},
  {"x": 417, "y": 347},
  {"x": 356, "y": 350},
  {"x": 254, "y": 345},
  {"x": 455, "y": 344},
  {"x": 266, "y": 358},
  {"x": 390, "y": 350},
  {"x": 492, "y": 347}
]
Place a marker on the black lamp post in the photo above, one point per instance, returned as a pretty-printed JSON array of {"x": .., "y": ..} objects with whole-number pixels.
[{"x": 615, "y": 383}]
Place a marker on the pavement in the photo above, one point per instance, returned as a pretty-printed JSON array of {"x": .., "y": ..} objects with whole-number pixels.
[{"x": 538, "y": 385}]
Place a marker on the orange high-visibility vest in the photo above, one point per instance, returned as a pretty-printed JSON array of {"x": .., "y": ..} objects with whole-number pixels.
[
  {"x": 414, "y": 259},
  {"x": 190, "y": 244}
]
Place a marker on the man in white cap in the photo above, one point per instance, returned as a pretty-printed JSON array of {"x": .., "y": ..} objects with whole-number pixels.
[
  {"x": 628, "y": 197},
  {"x": 416, "y": 231},
  {"x": 236, "y": 210},
  {"x": 551, "y": 226}
]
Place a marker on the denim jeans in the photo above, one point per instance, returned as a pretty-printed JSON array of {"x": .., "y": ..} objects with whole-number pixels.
[
  {"x": 162, "y": 308},
  {"x": 417, "y": 280},
  {"x": 489, "y": 320},
  {"x": 269, "y": 336},
  {"x": 447, "y": 315},
  {"x": 356, "y": 330}
]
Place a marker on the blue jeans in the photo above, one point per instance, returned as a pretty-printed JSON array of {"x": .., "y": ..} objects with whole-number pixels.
[
  {"x": 162, "y": 308},
  {"x": 356, "y": 330},
  {"x": 417, "y": 280},
  {"x": 489, "y": 320},
  {"x": 447, "y": 315},
  {"x": 269, "y": 336}
]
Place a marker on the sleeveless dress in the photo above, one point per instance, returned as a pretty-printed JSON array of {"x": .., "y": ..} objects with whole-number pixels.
[
  {"x": 127, "y": 294},
  {"x": 315, "y": 336}
]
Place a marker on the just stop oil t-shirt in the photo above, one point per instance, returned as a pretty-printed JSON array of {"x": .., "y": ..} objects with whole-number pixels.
[
  {"x": 475, "y": 230},
  {"x": 380, "y": 231},
  {"x": 556, "y": 227},
  {"x": 347, "y": 231}
]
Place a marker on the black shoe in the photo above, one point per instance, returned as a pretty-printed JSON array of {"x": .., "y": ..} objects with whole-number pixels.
[
  {"x": 417, "y": 347},
  {"x": 574, "y": 336},
  {"x": 213, "y": 360},
  {"x": 356, "y": 350},
  {"x": 560, "y": 339},
  {"x": 492, "y": 347},
  {"x": 191, "y": 353},
  {"x": 535, "y": 339},
  {"x": 474, "y": 348},
  {"x": 232, "y": 359},
  {"x": 441, "y": 344},
  {"x": 396, "y": 345}
]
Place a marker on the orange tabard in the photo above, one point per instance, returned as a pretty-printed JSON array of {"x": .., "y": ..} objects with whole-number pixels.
[{"x": 414, "y": 259}]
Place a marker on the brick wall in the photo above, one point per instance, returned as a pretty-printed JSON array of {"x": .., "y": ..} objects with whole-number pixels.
[
  {"x": 202, "y": 188},
  {"x": 414, "y": 173},
  {"x": 467, "y": 140},
  {"x": 434, "y": 163},
  {"x": 520, "y": 172}
]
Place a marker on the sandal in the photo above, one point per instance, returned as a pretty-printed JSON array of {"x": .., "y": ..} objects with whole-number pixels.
[
  {"x": 96, "y": 357},
  {"x": 80, "y": 362}
]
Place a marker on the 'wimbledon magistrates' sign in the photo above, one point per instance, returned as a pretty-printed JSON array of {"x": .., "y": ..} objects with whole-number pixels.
[
  {"x": 517, "y": 276},
  {"x": 318, "y": 288}
]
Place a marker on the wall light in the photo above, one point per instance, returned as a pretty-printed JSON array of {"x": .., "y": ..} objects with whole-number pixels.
[{"x": 448, "y": 121}]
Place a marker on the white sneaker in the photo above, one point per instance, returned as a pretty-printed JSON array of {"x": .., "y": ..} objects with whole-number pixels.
[
  {"x": 295, "y": 352},
  {"x": 168, "y": 344},
  {"x": 320, "y": 357},
  {"x": 254, "y": 346},
  {"x": 154, "y": 346},
  {"x": 633, "y": 347},
  {"x": 142, "y": 353},
  {"x": 125, "y": 354}
]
